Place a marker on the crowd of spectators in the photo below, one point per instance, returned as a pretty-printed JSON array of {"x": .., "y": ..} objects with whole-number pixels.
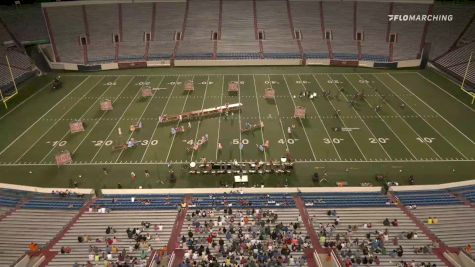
[
  {"x": 243, "y": 237},
  {"x": 368, "y": 250},
  {"x": 108, "y": 251}
]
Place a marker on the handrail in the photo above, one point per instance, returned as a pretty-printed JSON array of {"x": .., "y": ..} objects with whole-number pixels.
[
  {"x": 151, "y": 259},
  {"x": 317, "y": 259},
  {"x": 171, "y": 260},
  {"x": 335, "y": 258}
]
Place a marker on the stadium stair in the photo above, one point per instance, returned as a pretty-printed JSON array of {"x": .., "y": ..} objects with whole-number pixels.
[
  {"x": 388, "y": 31},
  {"x": 178, "y": 257},
  {"x": 84, "y": 51},
  {"x": 19, "y": 205},
  {"x": 152, "y": 26},
  {"x": 183, "y": 28},
  {"x": 310, "y": 257},
  {"x": 175, "y": 234},
  {"x": 48, "y": 256},
  {"x": 454, "y": 45},
  {"x": 292, "y": 29},
  {"x": 47, "y": 250},
  {"x": 220, "y": 22},
  {"x": 86, "y": 27},
  {"x": 460, "y": 197},
  {"x": 261, "y": 46},
  {"x": 311, "y": 231},
  {"x": 439, "y": 252},
  {"x": 391, "y": 51},
  {"x": 51, "y": 35},
  {"x": 430, "y": 11},
  {"x": 322, "y": 26}
]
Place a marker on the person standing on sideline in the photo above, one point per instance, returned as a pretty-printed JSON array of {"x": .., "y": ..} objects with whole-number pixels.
[
  {"x": 133, "y": 176},
  {"x": 147, "y": 173}
]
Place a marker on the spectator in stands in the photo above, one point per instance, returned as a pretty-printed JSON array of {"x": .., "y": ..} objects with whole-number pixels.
[
  {"x": 429, "y": 220},
  {"x": 468, "y": 249},
  {"x": 33, "y": 247},
  {"x": 400, "y": 251}
]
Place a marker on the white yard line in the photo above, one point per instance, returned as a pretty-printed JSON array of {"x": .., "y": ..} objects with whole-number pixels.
[
  {"x": 342, "y": 122},
  {"x": 24, "y": 100},
  {"x": 158, "y": 120},
  {"x": 82, "y": 116},
  {"x": 318, "y": 114},
  {"x": 141, "y": 115},
  {"x": 219, "y": 119},
  {"x": 100, "y": 118},
  {"x": 431, "y": 108},
  {"x": 178, "y": 123},
  {"x": 199, "y": 122},
  {"x": 371, "y": 106},
  {"x": 407, "y": 124},
  {"x": 280, "y": 120},
  {"x": 297, "y": 161},
  {"x": 260, "y": 117},
  {"x": 361, "y": 119},
  {"x": 117, "y": 123},
  {"x": 56, "y": 122},
  {"x": 301, "y": 123},
  {"x": 239, "y": 117},
  {"x": 443, "y": 137},
  {"x": 460, "y": 101},
  {"x": 46, "y": 113}
]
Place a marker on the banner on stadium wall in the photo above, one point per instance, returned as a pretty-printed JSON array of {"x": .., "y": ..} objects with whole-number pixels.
[
  {"x": 386, "y": 65},
  {"x": 344, "y": 63},
  {"x": 132, "y": 65},
  {"x": 89, "y": 67}
]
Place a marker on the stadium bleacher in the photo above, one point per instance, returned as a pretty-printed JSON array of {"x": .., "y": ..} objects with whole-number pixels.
[
  {"x": 343, "y": 41},
  {"x": 339, "y": 218},
  {"x": 374, "y": 34},
  {"x": 351, "y": 227},
  {"x": 305, "y": 19},
  {"x": 453, "y": 226},
  {"x": 442, "y": 34},
  {"x": 237, "y": 33},
  {"x": 40, "y": 218},
  {"x": 424, "y": 198},
  {"x": 67, "y": 34},
  {"x": 20, "y": 63}
]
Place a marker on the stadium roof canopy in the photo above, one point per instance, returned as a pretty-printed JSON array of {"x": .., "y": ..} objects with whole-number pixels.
[{"x": 95, "y": 2}]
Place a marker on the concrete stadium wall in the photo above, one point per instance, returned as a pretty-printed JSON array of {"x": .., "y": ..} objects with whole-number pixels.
[
  {"x": 409, "y": 63},
  {"x": 44, "y": 189},
  {"x": 230, "y": 62},
  {"x": 161, "y": 63},
  {"x": 236, "y": 62},
  {"x": 324, "y": 61},
  {"x": 259, "y": 190},
  {"x": 432, "y": 187},
  {"x": 289, "y": 190},
  {"x": 366, "y": 64},
  {"x": 109, "y": 66}
]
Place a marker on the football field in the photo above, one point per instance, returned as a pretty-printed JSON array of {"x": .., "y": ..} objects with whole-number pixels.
[{"x": 360, "y": 124}]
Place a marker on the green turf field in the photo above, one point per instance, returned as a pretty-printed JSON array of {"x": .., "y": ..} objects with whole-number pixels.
[{"x": 425, "y": 126}]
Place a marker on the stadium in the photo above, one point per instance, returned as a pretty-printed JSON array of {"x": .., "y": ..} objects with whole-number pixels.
[{"x": 191, "y": 133}]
